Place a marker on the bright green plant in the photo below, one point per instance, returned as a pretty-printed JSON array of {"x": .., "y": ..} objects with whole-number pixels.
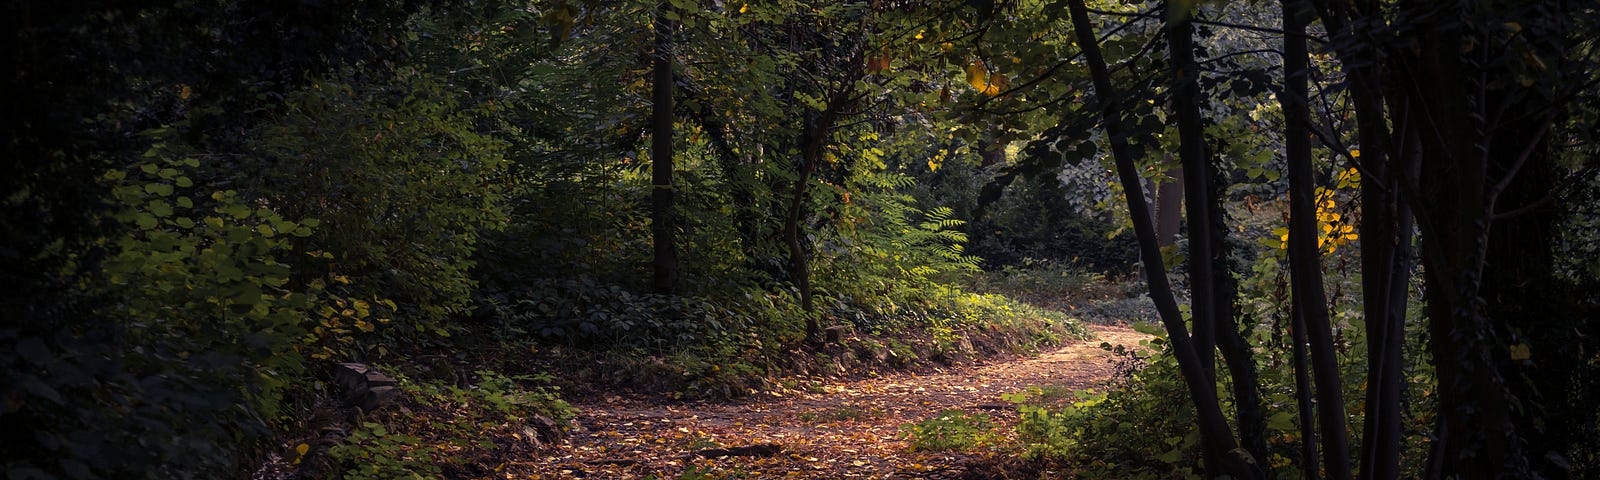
[
  {"x": 203, "y": 273},
  {"x": 1140, "y": 428},
  {"x": 952, "y": 430},
  {"x": 375, "y": 453}
]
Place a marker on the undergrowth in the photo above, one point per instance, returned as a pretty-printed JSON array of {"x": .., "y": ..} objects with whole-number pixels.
[
  {"x": 488, "y": 425},
  {"x": 945, "y": 327},
  {"x": 953, "y": 430}
]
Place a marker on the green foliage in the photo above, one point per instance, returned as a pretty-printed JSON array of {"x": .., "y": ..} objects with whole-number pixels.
[
  {"x": 201, "y": 274},
  {"x": 952, "y": 430},
  {"x": 398, "y": 445},
  {"x": 381, "y": 454},
  {"x": 402, "y": 180},
  {"x": 581, "y": 310},
  {"x": 1055, "y": 285},
  {"x": 194, "y": 281},
  {"x": 1140, "y": 428}
]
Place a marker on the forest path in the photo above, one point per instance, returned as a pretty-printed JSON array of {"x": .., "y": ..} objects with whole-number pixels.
[{"x": 841, "y": 430}]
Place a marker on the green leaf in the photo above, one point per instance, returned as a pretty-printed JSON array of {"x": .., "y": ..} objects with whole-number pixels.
[
  {"x": 160, "y": 208},
  {"x": 145, "y": 220},
  {"x": 1281, "y": 421},
  {"x": 161, "y": 189},
  {"x": 249, "y": 294},
  {"x": 237, "y": 211}
]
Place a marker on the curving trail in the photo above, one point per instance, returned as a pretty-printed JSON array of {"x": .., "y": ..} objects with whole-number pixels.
[{"x": 840, "y": 430}]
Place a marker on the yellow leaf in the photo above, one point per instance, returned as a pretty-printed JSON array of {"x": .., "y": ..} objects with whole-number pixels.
[
  {"x": 184, "y": 92},
  {"x": 302, "y": 448},
  {"x": 977, "y": 75},
  {"x": 997, "y": 83},
  {"x": 1520, "y": 352},
  {"x": 744, "y": 8},
  {"x": 1355, "y": 153}
]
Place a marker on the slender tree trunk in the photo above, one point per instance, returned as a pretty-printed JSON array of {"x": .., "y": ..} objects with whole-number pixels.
[
  {"x": 813, "y": 142},
  {"x": 1305, "y": 255},
  {"x": 1219, "y": 445},
  {"x": 1303, "y": 393},
  {"x": 1386, "y": 276},
  {"x": 1208, "y": 231},
  {"x": 663, "y": 228},
  {"x": 1197, "y": 176},
  {"x": 1169, "y": 207},
  {"x": 1236, "y": 351}
]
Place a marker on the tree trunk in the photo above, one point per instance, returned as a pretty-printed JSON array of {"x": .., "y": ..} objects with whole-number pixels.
[
  {"x": 1385, "y": 232},
  {"x": 1483, "y": 142},
  {"x": 1219, "y": 445},
  {"x": 664, "y": 261},
  {"x": 1169, "y": 207},
  {"x": 1303, "y": 393},
  {"x": 813, "y": 142},
  {"x": 1197, "y": 176},
  {"x": 1211, "y": 280},
  {"x": 1305, "y": 255}
]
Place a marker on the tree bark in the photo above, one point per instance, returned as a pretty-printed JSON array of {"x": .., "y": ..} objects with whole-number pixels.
[
  {"x": 1305, "y": 255},
  {"x": 1473, "y": 158},
  {"x": 1169, "y": 207},
  {"x": 813, "y": 143},
  {"x": 1197, "y": 194},
  {"x": 1303, "y": 393},
  {"x": 1211, "y": 282},
  {"x": 1219, "y": 446},
  {"x": 663, "y": 228}
]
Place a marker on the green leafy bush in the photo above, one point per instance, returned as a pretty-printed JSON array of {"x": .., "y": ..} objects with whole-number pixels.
[
  {"x": 1140, "y": 428},
  {"x": 483, "y": 418},
  {"x": 952, "y": 430},
  {"x": 185, "y": 350},
  {"x": 403, "y": 181}
]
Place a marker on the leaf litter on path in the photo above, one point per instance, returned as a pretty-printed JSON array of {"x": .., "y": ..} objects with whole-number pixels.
[{"x": 838, "y": 430}]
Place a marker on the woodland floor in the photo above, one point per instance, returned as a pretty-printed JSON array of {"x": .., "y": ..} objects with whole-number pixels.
[{"x": 832, "y": 430}]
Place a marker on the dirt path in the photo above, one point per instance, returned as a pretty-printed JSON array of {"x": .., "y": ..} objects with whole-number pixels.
[{"x": 842, "y": 430}]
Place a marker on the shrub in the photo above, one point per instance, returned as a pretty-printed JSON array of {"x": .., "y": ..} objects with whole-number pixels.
[
  {"x": 402, "y": 181},
  {"x": 952, "y": 430}
]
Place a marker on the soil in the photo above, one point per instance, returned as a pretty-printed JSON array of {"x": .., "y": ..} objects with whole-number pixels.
[{"x": 832, "y": 430}]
